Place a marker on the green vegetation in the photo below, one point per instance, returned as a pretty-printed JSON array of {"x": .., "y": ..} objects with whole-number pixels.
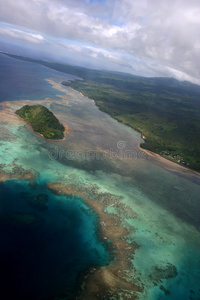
[
  {"x": 42, "y": 120},
  {"x": 164, "y": 110}
]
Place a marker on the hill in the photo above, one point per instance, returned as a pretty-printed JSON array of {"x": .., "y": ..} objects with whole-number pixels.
[{"x": 42, "y": 121}]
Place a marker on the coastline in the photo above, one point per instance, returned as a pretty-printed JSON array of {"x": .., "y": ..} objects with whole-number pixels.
[
  {"x": 164, "y": 162},
  {"x": 5, "y": 112},
  {"x": 169, "y": 164},
  {"x": 67, "y": 131},
  {"x": 148, "y": 152},
  {"x": 111, "y": 280}
]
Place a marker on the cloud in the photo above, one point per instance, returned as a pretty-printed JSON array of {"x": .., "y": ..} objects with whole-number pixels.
[
  {"x": 19, "y": 34},
  {"x": 157, "y": 33}
]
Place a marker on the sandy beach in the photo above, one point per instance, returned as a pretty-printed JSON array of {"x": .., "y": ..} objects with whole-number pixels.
[{"x": 166, "y": 163}]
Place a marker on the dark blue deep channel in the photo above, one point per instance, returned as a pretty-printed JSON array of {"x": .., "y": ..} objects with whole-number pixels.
[{"x": 46, "y": 241}]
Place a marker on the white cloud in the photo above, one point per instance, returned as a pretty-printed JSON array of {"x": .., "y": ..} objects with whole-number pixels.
[
  {"x": 20, "y": 34},
  {"x": 165, "y": 32}
]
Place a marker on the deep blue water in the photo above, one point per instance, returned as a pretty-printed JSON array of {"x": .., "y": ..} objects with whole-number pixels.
[
  {"x": 21, "y": 80},
  {"x": 46, "y": 240}
]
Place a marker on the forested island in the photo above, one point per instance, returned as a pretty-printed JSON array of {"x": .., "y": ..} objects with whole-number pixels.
[{"x": 43, "y": 121}]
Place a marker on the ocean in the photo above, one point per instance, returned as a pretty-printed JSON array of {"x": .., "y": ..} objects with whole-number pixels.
[
  {"x": 48, "y": 241},
  {"x": 21, "y": 80}
]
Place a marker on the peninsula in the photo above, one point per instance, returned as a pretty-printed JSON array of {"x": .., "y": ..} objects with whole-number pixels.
[{"x": 43, "y": 121}]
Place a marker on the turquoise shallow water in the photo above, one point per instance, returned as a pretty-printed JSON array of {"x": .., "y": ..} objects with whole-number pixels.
[{"x": 165, "y": 200}]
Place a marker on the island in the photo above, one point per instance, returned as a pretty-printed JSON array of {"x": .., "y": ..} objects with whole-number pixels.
[{"x": 43, "y": 121}]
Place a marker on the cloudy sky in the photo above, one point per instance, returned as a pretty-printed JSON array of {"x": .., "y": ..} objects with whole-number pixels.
[{"x": 143, "y": 37}]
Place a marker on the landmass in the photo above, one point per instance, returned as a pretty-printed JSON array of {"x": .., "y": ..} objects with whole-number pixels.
[
  {"x": 43, "y": 121},
  {"x": 164, "y": 110}
]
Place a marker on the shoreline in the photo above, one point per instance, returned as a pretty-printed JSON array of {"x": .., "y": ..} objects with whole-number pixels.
[
  {"x": 5, "y": 111},
  {"x": 163, "y": 161},
  {"x": 111, "y": 279},
  {"x": 67, "y": 131},
  {"x": 167, "y": 163},
  {"x": 148, "y": 152}
]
